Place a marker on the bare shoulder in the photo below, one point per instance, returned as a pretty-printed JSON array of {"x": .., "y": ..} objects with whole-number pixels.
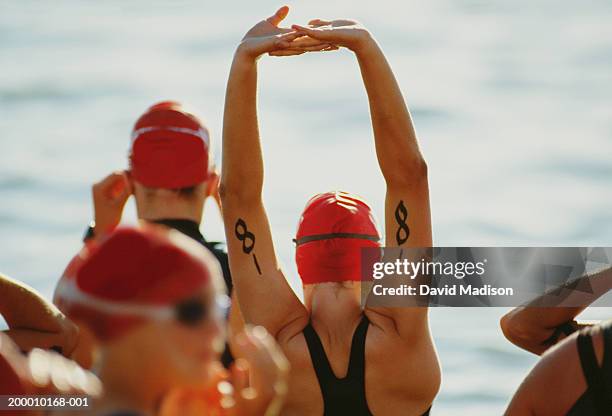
[
  {"x": 566, "y": 352},
  {"x": 291, "y": 335},
  {"x": 384, "y": 335},
  {"x": 413, "y": 351},
  {"x": 387, "y": 324},
  {"x": 402, "y": 372},
  {"x": 560, "y": 371}
]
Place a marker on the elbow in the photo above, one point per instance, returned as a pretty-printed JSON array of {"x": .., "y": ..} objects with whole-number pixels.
[
  {"x": 515, "y": 331},
  {"x": 232, "y": 193},
  {"x": 505, "y": 323},
  {"x": 407, "y": 173}
]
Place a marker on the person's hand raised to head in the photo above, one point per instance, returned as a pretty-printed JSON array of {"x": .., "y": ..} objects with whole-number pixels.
[
  {"x": 267, "y": 37},
  {"x": 109, "y": 198}
]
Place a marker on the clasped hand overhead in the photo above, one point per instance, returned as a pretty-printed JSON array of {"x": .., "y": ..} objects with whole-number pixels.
[{"x": 319, "y": 35}]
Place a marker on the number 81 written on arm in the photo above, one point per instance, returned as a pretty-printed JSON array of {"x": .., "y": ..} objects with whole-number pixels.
[{"x": 248, "y": 240}]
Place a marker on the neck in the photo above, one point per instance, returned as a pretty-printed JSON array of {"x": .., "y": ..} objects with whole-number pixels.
[
  {"x": 153, "y": 213},
  {"x": 129, "y": 390},
  {"x": 335, "y": 308}
]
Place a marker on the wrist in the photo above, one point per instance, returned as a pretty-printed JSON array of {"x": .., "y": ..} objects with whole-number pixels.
[
  {"x": 365, "y": 45},
  {"x": 99, "y": 228},
  {"x": 90, "y": 232},
  {"x": 244, "y": 57}
]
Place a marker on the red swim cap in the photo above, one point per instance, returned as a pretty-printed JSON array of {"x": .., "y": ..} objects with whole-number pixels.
[
  {"x": 133, "y": 270},
  {"x": 334, "y": 227},
  {"x": 169, "y": 148}
]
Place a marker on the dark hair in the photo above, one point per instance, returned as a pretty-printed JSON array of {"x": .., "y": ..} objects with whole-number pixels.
[{"x": 187, "y": 192}]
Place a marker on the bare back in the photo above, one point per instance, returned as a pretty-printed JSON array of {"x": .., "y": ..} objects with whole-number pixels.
[{"x": 401, "y": 377}]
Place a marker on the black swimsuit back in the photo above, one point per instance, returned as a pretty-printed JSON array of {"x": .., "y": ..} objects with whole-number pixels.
[
  {"x": 342, "y": 396},
  {"x": 597, "y": 399}
]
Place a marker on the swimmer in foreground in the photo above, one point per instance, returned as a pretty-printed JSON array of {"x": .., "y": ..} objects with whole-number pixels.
[
  {"x": 33, "y": 321},
  {"x": 574, "y": 375},
  {"x": 155, "y": 301},
  {"x": 345, "y": 360},
  {"x": 171, "y": 174}
]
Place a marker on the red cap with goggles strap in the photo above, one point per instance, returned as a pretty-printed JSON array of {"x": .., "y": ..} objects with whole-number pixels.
[
  {"x": 333, "y": 229},
  {"x": 137, "y": 275},
  {"x": 169, "y": 148}
]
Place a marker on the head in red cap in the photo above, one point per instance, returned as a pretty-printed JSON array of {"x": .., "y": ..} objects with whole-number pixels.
[
  {"x": 170, "y": 163},
  {"x": 333, "y": 229},
  {"x": 170, "y": 148},
  {"x": 154, "y": 299}
]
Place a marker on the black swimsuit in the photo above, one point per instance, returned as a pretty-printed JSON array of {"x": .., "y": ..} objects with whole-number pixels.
[
  {"x": 342, "y": 396},
  {"x": 597, "y": 399}
]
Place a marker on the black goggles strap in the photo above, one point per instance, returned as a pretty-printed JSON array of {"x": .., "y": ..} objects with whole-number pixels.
[{"x": 319, "y": 237}]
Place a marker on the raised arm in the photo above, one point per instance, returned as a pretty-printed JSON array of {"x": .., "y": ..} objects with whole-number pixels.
[
  {"x": 264, "y": 295},
  {"x": 34, "y": 322},
  {"x": 536, "y": 329},
  {"x": 407, "y": 213}
]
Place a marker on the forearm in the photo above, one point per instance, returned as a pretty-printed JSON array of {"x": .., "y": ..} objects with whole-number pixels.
[
  {"x": 22, "y": 307},
  {"x": 242, "y": 170},
  {"x": 33, "y": 321},
  {"x": 396, "y": 144},
  {"x": 537, "y": 328},
  {"x": 532, "y": 328}
]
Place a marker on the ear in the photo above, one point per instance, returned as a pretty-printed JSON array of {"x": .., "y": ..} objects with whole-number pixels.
[
  {"x": 212, "y": 184},
  {"x": 130, "y": 180}
]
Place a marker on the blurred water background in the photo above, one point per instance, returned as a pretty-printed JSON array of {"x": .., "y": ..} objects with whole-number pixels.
[{"x": 512, "y": 102}]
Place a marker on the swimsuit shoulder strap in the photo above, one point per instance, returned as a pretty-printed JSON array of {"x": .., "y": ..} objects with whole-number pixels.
[
  {"x": 320, "y": 363},
  {"x": 593, "y": 374},
  {"x": 606, "y": 330},
  {"x": 356, "y": 368},
  {"x": 346, "y": 395}
]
